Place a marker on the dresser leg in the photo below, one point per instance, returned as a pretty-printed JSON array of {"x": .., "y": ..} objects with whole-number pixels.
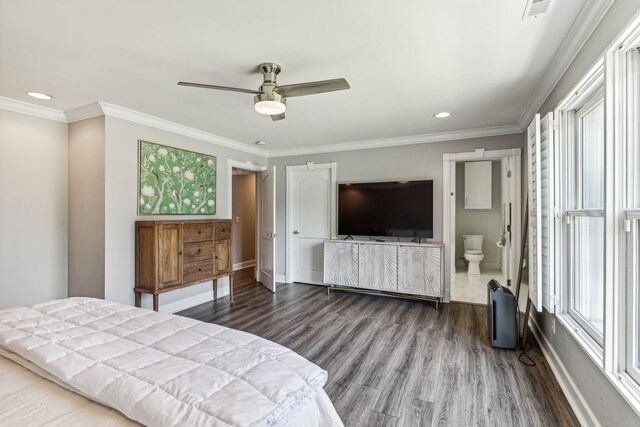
[
  {"x": 138, "y": 299},
  {"x": 231, "y": 287},
  {"x": 215, "y": 289},
  {"x": 155, "y": 302}
]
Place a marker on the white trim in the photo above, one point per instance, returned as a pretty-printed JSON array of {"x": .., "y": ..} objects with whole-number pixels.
[
  {"x": 85, "y": 112},
  {"x": 280, "y": 278},
  {"x": 244, "y": 264},
  {"x": 158, "y": 123},
  {"x": 333, "y": 167},
  {"x": 192, "y": 301},
  {"x": 583, "y": 26},
  {"x": 32, "y": 109},
  {"x": 248, "y": 166},
  {"x": 481, "y": 153},
  {"x": 580, "y": 407},
  {"x": 396, "y": 142}
]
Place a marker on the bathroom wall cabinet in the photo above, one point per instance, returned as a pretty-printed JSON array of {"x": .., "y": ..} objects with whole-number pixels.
[{"x": 477, "y": 185}]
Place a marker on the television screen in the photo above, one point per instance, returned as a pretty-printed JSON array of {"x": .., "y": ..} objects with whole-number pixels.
[{"x": 395, "y": 209}]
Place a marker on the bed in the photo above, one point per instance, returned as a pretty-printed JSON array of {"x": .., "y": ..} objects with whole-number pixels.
[{"x": 80, "y": 361}]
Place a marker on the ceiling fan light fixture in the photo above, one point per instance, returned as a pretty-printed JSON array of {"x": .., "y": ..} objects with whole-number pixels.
[{"x": 270, "y": 104}]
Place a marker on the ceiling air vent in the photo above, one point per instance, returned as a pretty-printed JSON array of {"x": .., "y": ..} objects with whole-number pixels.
[{"x": 535, "y": 8}]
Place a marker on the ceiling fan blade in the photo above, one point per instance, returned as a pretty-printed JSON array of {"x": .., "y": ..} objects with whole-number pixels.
[
  {"x": 277, "y": 117},
  {"x": 311, "y": 88},
  {"x": 230, "y": 89}
]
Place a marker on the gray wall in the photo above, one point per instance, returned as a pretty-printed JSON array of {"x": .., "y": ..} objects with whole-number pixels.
[
  {"x": 244, "y": 209},
  {"x": 604, "y": 400},
  {"x": 480, "y": 221},
  {"x": 391, "y": 163},
  {"x": 121, "y": 160},
  {"x": 86, "y": 208},
  {"x": 33, "y": 209}
]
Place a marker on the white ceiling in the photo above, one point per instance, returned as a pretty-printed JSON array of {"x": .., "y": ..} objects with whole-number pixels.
[{"x": 405, "y": 61}]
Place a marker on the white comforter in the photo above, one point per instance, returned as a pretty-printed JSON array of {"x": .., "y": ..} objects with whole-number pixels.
[{"x": 161, "y": 369}]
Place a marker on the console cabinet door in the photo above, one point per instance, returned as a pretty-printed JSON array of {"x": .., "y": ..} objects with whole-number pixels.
[
  {"x": 419, "y": 270},
  {"x": 341, "y": 264},
  {"x": 223, "y": 257},
  {"x": 170, "y": 254},
  {"x": 378, "y": 267}
]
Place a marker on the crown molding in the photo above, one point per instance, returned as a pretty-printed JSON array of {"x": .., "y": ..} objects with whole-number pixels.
[
  {"x": 85, "y": 112},
  {"x": 32, "y": 109},
  {"x": 583, "y": 26},
  {"x": 396, "y": 142},
  {"x": 111, "y": 110}
]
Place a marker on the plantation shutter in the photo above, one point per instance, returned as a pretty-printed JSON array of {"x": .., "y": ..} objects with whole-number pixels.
[
  {"x": 540, "y": 137},
  {"x": 535, "y": 220},
  {"x": 545, "y": 159}
]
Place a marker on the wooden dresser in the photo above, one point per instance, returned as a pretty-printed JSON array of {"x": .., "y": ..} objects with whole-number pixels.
[{"x": 176, "y": 254}]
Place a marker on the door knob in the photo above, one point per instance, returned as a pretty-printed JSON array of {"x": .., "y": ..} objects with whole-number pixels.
[{"x": 296, "y": 232}]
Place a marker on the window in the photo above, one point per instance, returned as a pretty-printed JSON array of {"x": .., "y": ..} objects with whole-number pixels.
[
  {"x": 595, "y": 197},
  {"x": 585, "y": 215},
  {"x": 630, "y": 61}
]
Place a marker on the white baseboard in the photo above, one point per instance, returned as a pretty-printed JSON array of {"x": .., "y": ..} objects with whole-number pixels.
[
  {"x": 192, "y": 301},
  {"x": 244, "y": 264},
  {"x": 281, "y": 278},
  {"x": 583, "y": 412}
]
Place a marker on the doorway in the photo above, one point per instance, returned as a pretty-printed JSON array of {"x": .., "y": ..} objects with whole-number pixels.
[
  {"x": 311, "y": 219},
  {"x": 481, "y": 221},
  {"x": 264, "y": 238},
  {"x": 244, "y": 211}
]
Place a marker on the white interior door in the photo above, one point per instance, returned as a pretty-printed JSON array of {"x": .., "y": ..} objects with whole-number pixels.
[
  {"x": 267, "y": 212},
  {"x": 311, "y": 218}
]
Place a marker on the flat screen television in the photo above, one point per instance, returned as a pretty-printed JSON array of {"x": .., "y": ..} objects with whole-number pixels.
[{"x": 394, "y": 209}]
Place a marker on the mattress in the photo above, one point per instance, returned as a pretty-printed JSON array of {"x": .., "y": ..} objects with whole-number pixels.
[{"x": 159, "y": 369}]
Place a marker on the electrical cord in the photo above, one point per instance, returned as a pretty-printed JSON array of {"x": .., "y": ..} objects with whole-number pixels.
[{"x": 523, "y": 357}]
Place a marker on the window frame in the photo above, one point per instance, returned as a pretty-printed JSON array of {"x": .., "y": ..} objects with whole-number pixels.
[
  {"x": 594, "y": 96},
  {"x": 589, "y": 91}
]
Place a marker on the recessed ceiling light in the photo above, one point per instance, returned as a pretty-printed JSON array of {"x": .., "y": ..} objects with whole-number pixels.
[
  {"x": 260, "y": 143},
  {"x": 39, "y": 95},
  {"x": 442, "y": 115}
]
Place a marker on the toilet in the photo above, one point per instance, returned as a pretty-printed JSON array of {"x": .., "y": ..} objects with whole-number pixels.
[{"x": 473, "y": 251}]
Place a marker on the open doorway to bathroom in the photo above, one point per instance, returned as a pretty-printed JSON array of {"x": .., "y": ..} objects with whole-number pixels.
[{"x": 482, "y": 222}]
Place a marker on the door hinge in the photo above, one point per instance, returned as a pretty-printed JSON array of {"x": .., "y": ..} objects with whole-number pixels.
[
  {"x": 508, "y": 174},
  {"x": 555, "y": 212}
]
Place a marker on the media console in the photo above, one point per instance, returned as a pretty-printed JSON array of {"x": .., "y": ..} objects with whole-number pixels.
[{"x": 410, "y": 270}]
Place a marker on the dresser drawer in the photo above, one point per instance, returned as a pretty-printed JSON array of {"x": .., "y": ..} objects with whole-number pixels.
[
  {"x": 197, "y": 271},
  {"x": 223, "y": 231},
  {"x": 196, "y": 251},
  {"x": 197, "y": 232}
]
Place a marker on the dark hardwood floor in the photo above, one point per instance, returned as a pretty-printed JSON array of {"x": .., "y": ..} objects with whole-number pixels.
[
  {"x": 245, "y": 276},
  {"x": 395, "y": 362}
]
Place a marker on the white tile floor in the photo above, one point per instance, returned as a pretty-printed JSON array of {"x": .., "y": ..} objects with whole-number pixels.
[{"x": 473, "y": 288}]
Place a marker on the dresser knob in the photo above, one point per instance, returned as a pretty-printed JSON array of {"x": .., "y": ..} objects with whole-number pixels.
[{"x": 199, "y": 269}]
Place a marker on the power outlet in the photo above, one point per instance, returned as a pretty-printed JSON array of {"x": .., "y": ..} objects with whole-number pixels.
[
  {"x": 237, "y": 219},
  {"x": 553, "y": 325}
]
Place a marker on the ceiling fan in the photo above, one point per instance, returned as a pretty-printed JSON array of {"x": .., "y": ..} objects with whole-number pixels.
[{"x": 270, "y": 98}]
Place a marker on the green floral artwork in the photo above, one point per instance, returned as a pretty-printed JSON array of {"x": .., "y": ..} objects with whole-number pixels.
[{"x": 174, "y": 181}]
